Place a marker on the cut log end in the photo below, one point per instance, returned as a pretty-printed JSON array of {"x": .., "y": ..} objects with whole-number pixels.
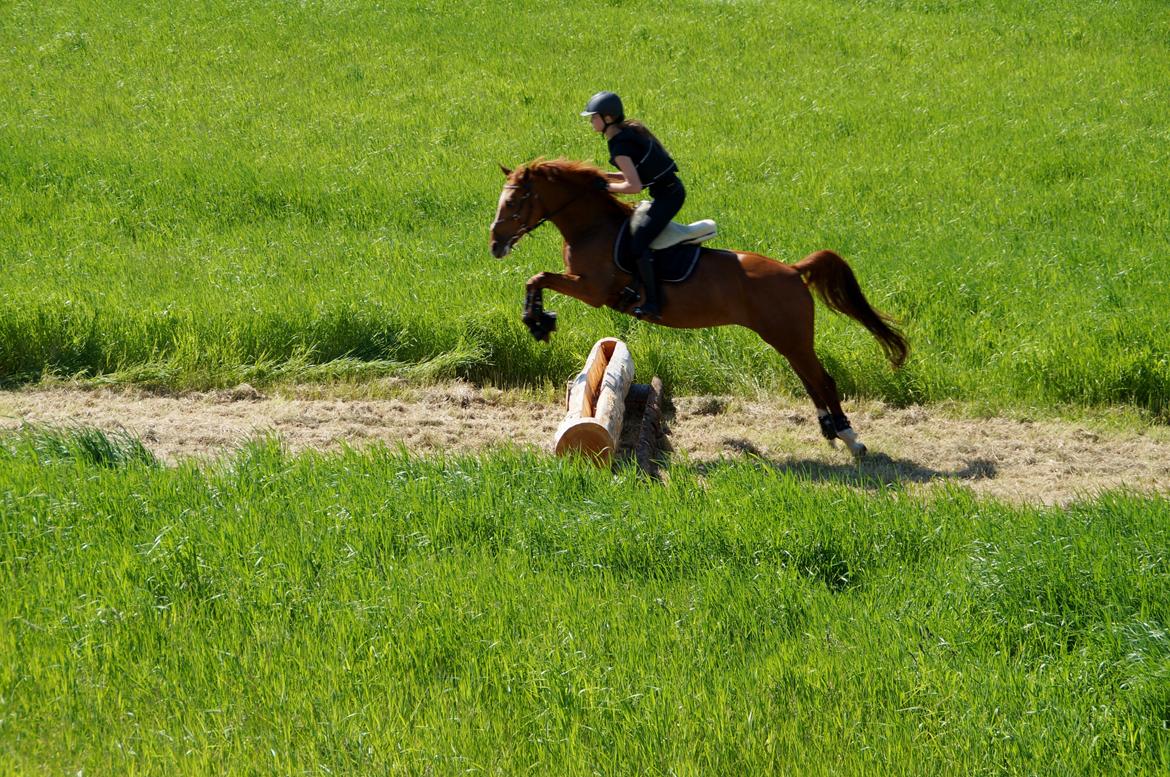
[{"x": 586, "y": 437}]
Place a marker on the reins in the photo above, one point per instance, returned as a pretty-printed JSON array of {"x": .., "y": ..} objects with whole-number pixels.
[{"x": 530, "y": 192}]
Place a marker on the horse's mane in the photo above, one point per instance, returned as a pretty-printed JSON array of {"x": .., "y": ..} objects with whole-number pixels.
[{"x": 575, "y": 173}]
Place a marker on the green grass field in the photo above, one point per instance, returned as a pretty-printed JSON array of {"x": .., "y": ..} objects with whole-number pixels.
[
  {"x": 378, "y": 613},
  {"x": 219, "y": 191},
  {"x": 195, "y": 194}
]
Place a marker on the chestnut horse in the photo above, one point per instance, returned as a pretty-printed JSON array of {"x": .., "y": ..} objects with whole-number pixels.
[{"x": 728, "y": 287}]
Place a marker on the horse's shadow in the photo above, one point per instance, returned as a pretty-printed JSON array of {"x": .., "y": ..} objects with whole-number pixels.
[{"x": 874, "y": 472}]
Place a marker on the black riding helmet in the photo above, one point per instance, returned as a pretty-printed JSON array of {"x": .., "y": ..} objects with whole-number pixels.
[{"x": 607, "y": 104}]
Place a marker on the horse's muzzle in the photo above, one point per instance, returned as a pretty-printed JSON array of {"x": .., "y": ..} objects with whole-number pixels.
[{"x": 502, "y": 247}]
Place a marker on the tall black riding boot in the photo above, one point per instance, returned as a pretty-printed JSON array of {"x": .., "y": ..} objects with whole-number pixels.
[{"x": 651, "y": 308}]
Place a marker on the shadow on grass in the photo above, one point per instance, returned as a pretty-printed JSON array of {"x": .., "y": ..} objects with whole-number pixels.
[{"x": 875, "y": 471}]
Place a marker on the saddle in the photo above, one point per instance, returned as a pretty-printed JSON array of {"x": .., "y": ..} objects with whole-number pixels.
[
  {"x": 674, "y": 233},
  {"x": 676, "y": 249}
]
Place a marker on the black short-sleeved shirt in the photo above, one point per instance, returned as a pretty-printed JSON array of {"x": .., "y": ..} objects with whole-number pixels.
[{"x": 654, "y": 165}]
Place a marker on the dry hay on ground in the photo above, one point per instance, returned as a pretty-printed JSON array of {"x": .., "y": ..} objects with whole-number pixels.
[{"x": 1043, "y": 462}]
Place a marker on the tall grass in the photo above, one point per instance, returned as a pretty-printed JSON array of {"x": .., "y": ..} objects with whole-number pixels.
[
  {"x": 373, "y": 613},
  {"x": 200, "y": 190}
]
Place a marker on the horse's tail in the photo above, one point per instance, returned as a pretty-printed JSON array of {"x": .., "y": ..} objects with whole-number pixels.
[{"x": 830, "y": 277}]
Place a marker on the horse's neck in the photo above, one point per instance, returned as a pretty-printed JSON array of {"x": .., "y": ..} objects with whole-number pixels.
[{"x": 599, "y": 221}]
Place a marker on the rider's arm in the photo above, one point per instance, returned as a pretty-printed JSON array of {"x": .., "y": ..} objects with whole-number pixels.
[{"x": 630, "y": 183}]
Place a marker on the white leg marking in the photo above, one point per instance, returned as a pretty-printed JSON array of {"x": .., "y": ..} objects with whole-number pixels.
[{"x": 850, "y": 438}]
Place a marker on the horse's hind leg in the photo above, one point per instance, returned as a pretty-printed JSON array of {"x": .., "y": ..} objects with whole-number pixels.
[
  {"x": 824, "y": 415},
  {"x": 823, "y": 390},
  {"x": 788, "y": 328}
]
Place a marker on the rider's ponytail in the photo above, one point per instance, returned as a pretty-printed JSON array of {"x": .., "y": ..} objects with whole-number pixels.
[{"x": 640, "y": 128}]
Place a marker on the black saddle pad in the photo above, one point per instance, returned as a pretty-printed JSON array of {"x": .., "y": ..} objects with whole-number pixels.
[{"x": 672, "y": 265}]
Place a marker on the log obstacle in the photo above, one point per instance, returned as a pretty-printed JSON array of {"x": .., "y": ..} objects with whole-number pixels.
[
  {"x": 647, "y": 443},
  {"x": 596, "y": 403},
  {"x": 602, "y": 399}
]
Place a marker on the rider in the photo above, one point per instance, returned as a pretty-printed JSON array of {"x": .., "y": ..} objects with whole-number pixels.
[{"x": 643, "y": 163}]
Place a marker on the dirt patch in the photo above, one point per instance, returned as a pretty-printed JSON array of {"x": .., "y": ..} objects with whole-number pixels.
[{"x": 1020, "y": 461}]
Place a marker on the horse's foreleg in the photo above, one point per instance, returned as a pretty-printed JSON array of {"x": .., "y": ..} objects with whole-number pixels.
[
  {"x": 576, "y": 286},
  {"x": 540, "y": 322}
]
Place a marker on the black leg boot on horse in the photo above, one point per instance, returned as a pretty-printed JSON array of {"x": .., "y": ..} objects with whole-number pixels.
[
  {"x": 539, "y": 322},
  {"x": 651, "y": 307}
]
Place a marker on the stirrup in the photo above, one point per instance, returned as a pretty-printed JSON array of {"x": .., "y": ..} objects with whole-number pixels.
[{"x": 648, "y": 312}]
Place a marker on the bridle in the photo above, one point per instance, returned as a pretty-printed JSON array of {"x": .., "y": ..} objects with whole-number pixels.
[
  {"x": 524, "y": 228},
  {"x": 530, "y": 193}
]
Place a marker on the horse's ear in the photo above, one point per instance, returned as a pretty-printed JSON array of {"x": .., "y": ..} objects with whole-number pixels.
[{"x": 507, "y": 171}]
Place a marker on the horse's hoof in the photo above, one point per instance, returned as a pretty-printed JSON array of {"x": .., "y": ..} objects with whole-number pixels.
[
  {"x": 541, "y": 325},
  {"x": 849, "y": 437}
]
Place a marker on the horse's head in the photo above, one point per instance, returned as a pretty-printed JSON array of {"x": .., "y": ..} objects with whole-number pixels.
[
  {"x": 515, "y": 214},
  {"x": 543, "y": 191}
]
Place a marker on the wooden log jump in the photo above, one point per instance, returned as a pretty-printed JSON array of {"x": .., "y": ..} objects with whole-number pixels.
[
  {"x": 596, "y": 403},
  {"x": 646, "y": 447}
]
